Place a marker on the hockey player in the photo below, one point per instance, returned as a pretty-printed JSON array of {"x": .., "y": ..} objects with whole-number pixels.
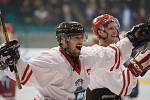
[
  {"x": 7, "y": 85},
  {"x": 109, "y": 82},
  {"x": 61, "y": 73}
]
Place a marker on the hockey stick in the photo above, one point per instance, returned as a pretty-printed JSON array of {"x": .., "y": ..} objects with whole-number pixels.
[{"x": 7, "y": 40}]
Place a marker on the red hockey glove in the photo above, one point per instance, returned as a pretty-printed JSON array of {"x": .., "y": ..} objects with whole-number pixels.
[{"x": 140, "y": 64}]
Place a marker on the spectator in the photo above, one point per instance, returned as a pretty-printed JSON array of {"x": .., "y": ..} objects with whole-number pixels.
[
  {"x": 26, "y": 11},
  {"x": 67, "y": 12},
  {"x": 126, "y": 18},
  {"x": 41, "y": 15},
  {"x": 141, "y": 15}
]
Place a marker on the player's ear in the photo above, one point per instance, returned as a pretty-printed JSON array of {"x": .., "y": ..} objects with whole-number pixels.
[{"x": 101, "y": 33}]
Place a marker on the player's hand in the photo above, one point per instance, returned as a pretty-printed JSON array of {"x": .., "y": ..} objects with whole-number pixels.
[
  {"x": 139, "y": 35},
  {"x": 5, "y": 82},
  {"x": 140, "y": 64},
  {"x": 9, "y": 54}
]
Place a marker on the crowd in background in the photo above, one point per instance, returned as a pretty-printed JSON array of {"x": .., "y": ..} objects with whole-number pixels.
[{"x": 129, "y": 12}]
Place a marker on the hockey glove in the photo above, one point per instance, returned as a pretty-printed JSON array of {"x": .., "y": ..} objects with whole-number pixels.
[
  {"x": 9, "y": 55},
  {"x": 140, "y": 64},
  {"x": 139, "y": 34}
]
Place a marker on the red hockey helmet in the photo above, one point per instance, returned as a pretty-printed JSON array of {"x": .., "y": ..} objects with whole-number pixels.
[{"x": 99, "y": 21}]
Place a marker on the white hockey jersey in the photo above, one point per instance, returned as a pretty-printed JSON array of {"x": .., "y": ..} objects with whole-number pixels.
[
  {"x": 53, "y": 75},
  {"x": 111, "y": 73}
]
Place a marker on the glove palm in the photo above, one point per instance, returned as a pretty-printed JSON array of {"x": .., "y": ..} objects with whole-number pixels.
[{"x": 139, "y": 34}]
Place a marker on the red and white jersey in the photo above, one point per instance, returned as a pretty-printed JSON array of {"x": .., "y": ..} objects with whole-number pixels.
[
  {"x": 53, "y": 73},
  {"x": 109, "y": 72}
]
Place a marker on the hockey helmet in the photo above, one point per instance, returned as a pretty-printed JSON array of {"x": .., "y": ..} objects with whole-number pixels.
[
  {"x": 99, "y": 22},
  {"x": 67, "y": 29},
  {"x": 70, "y": 28}
]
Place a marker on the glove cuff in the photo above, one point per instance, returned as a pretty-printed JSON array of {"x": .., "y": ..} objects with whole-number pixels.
[{"x": 134, "y": 67}]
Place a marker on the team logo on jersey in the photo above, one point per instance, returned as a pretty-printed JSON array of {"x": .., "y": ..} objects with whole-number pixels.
[{"x": 79, "y": 92}]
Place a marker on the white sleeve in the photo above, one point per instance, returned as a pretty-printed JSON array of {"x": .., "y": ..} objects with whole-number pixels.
[
  {"x": 36, "y": 70},
  {"x": 114, "y": 54},
  {"x": 100, "y": 56},
  {"x": 120, "y": 82},
  {"x": 24, "y": 71},
  {"x": 125, "y": 47}
]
